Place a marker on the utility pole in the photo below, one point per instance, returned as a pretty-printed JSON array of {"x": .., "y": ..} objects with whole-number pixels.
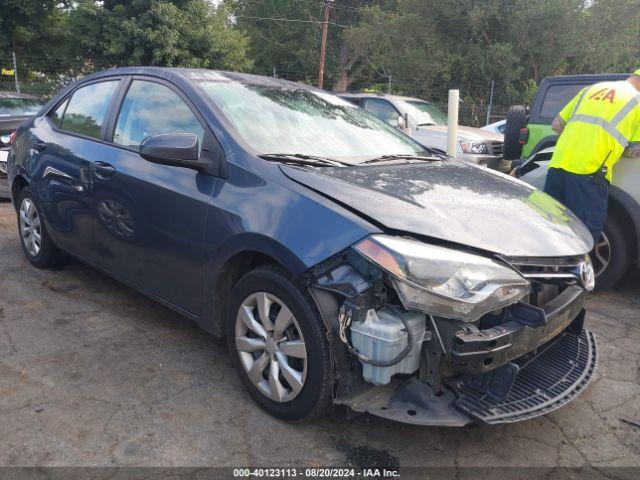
[
  {"x": 15, "y": 71},
  {"x": 490, "y": 107},
  {"x": 323, "y": 43}
]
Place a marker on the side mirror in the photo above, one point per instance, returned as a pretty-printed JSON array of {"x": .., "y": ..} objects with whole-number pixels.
[
  {"x": 175, "y": 149},
  {"x": 402, "y": 124}
]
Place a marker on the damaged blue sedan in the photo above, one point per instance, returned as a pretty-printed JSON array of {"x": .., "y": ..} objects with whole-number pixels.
[{"x": 344, "y": 262}]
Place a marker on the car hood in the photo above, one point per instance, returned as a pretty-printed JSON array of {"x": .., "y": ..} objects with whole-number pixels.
[
  {"x": 456, "y": 202},
  {"x": 435, "y": 136},
  {"x": 9, "y": 124}
]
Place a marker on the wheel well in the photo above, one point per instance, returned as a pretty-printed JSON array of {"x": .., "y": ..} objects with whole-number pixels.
[
  {"x": 616, "y": 210},
  {"x": 16, "y": 187},
  {"x": 233, "y": 269}
]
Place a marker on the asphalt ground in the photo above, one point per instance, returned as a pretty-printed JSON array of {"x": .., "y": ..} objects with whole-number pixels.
[{"x": 94, "y": 374}]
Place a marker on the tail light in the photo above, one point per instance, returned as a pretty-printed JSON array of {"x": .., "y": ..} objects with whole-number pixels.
[
  {"x": 524, "y": 136},
  {"x": 7, "y": 140}
]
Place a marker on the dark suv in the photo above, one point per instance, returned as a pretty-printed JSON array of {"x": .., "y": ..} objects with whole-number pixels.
[{"x": 344, "y": 263}]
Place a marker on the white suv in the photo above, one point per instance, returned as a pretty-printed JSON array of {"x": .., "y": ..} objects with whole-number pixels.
[{"x": 427, "y": 124}]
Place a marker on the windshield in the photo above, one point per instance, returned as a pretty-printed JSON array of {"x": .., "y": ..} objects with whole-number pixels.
[
  {"x": 425, "y": 113},
  {"x": 14, "y": 107},
  {"x": 309, "y": 122}
]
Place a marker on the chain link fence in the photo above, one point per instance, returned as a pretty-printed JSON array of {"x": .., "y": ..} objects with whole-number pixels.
[{"x": 480, "y": 103}]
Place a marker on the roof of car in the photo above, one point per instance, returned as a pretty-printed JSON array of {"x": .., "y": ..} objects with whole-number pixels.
[
  {"x": 198, "y": 74},
  {"x": 8, "y": 94},
  {"x": 378, "y": 95}
]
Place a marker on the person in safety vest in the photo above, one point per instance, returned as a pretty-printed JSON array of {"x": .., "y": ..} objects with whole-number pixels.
[{"x": 596, "y": 128}]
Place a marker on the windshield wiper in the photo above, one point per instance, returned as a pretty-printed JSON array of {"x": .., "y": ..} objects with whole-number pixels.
[
  {"x": 302, "y": 158},
  {"x": 386, "y": 158}
]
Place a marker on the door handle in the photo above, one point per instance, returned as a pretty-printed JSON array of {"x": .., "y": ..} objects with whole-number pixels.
[
  {"x": 38, "y": 145},
  {"x": 104, "y": 170}
]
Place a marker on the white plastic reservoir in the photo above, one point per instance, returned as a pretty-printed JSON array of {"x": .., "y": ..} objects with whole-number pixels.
[{"x": 382, "y": 336}]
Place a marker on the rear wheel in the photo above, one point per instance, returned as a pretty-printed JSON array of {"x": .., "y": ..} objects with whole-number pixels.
[
  {"x": 278, "y": 345},
  {"x": 34, "y": 238},
  {"x": 611, "y": 255},
  {"x": 516, "y": 120}
]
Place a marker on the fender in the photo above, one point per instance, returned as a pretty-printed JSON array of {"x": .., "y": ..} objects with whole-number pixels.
[
  {"x": 632, "y": 208},
  {"x": 546, "y": 142}
]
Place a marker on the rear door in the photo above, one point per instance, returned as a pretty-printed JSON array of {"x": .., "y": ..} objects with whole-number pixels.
[
  {"x": 64, "y": 145},
  {"x": 150, "y": 218}
]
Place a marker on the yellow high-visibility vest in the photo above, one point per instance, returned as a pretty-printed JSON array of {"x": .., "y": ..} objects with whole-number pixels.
[{"x": 601, "y": 122}]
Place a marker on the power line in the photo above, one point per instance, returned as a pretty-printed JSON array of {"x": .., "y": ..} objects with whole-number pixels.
[{"x": 290, "y": 20}]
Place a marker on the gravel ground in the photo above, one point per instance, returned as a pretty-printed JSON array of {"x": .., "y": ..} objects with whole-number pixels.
[{"x": 92, "y": 373}]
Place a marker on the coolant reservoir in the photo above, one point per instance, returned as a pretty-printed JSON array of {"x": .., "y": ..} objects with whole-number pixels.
[{"x": 382, "y": 336}]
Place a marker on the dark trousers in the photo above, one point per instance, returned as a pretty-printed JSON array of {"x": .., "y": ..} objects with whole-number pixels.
[{"x": 586, "y": 198}]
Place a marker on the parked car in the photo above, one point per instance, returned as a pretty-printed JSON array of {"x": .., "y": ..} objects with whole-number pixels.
[
  {"x": 498, "y": 127},
  {"x": 528, "y": 130},
  {"x": 618, "y": 249},
  {"x": 343, "y": 261},
  {"x": 15, "y": 108},
  {"x": 426, "y": 123}
]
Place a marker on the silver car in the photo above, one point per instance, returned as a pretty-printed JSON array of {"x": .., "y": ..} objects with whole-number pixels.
[
  {"x": 617, "y": 249},
  {"x": 427, "y": 124}
]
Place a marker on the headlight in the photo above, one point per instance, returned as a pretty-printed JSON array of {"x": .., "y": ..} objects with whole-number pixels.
[
  {"x": 587, "y": 274},
  {"x": 442, "y": 281},
  {"x": 474, "y": 147}
]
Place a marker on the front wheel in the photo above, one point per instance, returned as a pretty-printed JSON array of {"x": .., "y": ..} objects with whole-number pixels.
[{"x": 278, "y": 345}]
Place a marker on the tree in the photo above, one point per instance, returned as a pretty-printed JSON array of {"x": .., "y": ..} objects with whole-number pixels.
[{"x": 189, "y": 33}]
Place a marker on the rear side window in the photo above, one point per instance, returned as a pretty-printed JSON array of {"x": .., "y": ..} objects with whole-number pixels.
[
  {"x": 152, "y": 109},
  {"x": 87, "y": 108},
  {"x": 555, "y": 98}
]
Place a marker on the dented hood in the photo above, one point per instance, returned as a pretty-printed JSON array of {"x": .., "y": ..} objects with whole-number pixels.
[{"x": 453, "y": 201}]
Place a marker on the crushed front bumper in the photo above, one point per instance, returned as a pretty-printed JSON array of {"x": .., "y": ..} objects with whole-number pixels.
[
  {"x": 526, "y": 329},
  {"x": 536, "y": 362},
  {"x": 546, "y": 382}
]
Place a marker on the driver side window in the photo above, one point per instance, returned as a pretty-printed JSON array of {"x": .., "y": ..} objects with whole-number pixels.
[{"x": 152, "y": 109}]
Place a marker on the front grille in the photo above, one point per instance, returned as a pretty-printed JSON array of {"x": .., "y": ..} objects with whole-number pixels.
[
  {"x": 497, "y": 148},
  {"x": 548, "y": 276},
  {"x": 554, "y": 377}
]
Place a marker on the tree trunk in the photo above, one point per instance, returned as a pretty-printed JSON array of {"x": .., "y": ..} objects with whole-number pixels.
[{"x": 346, "y": 60}]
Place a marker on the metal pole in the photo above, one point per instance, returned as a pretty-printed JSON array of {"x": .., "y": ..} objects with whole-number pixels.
[
  {"x": 490, "y": 107},
  {"x": 15, "y": 71},
  {"x": 323, "y": 43},
  {"x": 389, "y": 85},
  {"x": 452, "y": 122}
]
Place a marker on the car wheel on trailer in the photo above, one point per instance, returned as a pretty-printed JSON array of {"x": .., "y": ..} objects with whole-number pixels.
[{"x": 279, "y": 346}]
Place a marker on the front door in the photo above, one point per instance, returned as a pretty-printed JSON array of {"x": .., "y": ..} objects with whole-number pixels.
[{"x": 150, "y": 218}]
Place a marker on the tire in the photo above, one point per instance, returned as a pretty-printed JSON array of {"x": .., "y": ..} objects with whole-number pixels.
[
  {"x": 308, "y": 391},
  {"x": 516, "y": 120},
  {"x": 42, "y": 254},
  {"x": 619, "y": 254}
]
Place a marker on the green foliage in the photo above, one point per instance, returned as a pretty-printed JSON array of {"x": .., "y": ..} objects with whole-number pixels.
[{"x": 151, "y": 32}]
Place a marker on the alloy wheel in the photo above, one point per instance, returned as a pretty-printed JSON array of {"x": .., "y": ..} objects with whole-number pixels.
[
  {"x": 601, "y": 255},
  {"x": 30, "y": 227},
  {"x": 271, "y": 347}
]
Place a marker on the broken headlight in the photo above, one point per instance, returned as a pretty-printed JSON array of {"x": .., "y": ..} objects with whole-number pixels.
[{"x": 442, "y": 281}]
